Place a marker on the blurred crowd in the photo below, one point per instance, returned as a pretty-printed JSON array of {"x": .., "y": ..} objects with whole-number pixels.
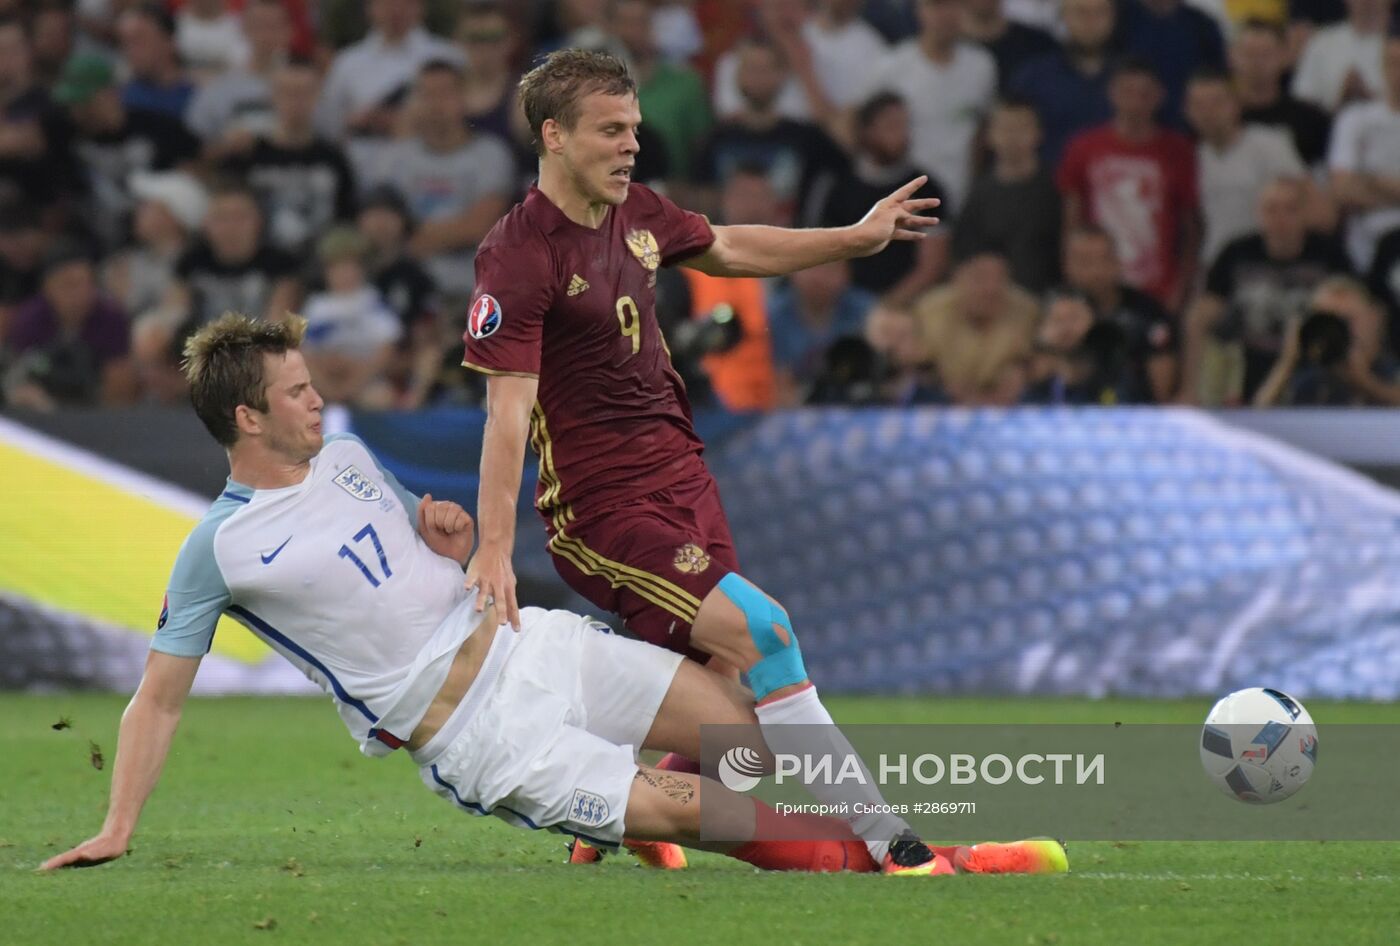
[{"x": 1144, "y": 201}]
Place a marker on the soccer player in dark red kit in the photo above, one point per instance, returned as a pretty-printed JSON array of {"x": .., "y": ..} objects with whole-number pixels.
[{"x": 563, "y": 321}]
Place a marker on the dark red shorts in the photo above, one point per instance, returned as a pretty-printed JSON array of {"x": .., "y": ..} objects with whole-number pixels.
[{"x": 651, "y": 561}]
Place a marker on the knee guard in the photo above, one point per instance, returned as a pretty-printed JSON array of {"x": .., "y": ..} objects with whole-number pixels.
[{"x": 779, "y": 664}]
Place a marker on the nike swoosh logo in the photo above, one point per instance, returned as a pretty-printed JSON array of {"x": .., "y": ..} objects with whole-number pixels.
[{"x": 267, "y": 559}]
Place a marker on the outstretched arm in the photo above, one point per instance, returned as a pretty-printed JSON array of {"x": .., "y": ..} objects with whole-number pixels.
[
  {"x": 776, "y": 251},
  {"x": 147, "y": 727},
  {"x": 509, "y": 401}
]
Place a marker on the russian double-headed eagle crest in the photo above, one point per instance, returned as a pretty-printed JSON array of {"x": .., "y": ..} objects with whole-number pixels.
[
  {"x": 691, "y": 559},
  {"x": 643, "y": 246}
]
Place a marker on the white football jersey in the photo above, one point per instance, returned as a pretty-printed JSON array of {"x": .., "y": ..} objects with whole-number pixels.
[{"x": 332, "y": 574}]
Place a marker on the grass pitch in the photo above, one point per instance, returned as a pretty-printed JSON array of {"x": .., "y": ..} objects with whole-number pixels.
[{"x": 269, "y": 827}]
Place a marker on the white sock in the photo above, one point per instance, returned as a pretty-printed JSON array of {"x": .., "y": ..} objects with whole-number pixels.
[{"x": 800, "y": 725}]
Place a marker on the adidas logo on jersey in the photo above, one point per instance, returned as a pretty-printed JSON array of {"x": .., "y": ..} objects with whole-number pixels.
[{"x": 577, "y": 284}]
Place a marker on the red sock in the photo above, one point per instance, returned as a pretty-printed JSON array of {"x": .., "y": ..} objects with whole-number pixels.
[
  {"x": 791, "y": 847},
  {"x": 678, "y": 763}
]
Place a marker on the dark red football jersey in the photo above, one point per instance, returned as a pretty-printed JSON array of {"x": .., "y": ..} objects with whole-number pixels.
[{"x": 576, "y": 308}]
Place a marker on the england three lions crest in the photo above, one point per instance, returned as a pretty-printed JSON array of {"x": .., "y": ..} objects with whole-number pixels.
[
  {"x": 691, "y": 559},
  {"x": 643, "y": 246},
  {"x": 358, "y": 485}
]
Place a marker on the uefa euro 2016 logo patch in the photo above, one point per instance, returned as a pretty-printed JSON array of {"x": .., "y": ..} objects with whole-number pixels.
[
  {"x": 485, "y": 316},
  {"x": 358, "y": 485},
  {"x": 588, "y": 809},
  {"x": 643, "y": 246},
  {"x": 691, "y": 559}
]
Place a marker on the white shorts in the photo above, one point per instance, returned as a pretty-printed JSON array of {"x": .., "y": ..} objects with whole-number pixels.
[{"x": 548, "y": 733}]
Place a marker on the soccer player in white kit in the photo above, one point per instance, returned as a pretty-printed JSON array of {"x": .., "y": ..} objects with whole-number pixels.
[{"x": 320, "y": 552}]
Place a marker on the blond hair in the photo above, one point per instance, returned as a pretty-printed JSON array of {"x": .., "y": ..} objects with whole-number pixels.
[{"x": 224, "y": 365}]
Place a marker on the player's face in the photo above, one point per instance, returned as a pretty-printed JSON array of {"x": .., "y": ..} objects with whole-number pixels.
[
  {"x": 601, "y": 150},
  {"x": 292, "y": 423}
]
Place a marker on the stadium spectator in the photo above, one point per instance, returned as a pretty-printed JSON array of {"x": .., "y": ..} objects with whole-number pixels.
[
  {"x": 1149, "y": 333},
  {"x": 1383, "y": 279},
  {"x": 229, "y": 111},
  {"x": 842, "y": 47},
  {"x": 456, "y": 182},
  {"x": 1080, "y": 358},
  {"x": 580, "y": 24},
  {"x": 977, "y": 333},
  {"x": 1069, "y": 86},
  {"x": 881, "y": 165},
  {"x": 488, "y": 45},
  {"x": 807, "y": 313},
  {"x": 156, "y": 81},
  {"x": 350, "y": 331},
  {"x": 1137, "y": 180},
  {"x": 736, "y": 367},
  {"x": 170, "y": 208},
  {"x": 386, "y": 224},
  {"x": 949, "y": 86},
  {"x": 789, "y": 99},
  {"x": 1336, "y": 355},
  {"x": 1011, "y": 43},
  {"x": 1364, "y": 162},
  {"x": 797, "y": 155},
  {"x": 232, "y": 269},
  {"x": 368, "y": 77},
  {"x": 1175, "y": 39},
  {"x": 69, "y": 343},
  {"x": 209, "y": 38},
  {"x": 893, "y": 335},
  {"x": 33, "y": 133},
  {"x": 53, "y": 39},
  {"x": 416, "y": 367},
  {"x": 114, "y": 142},
  {"x": 1236, "y": 161},
  {"x": 672, "y": 96},
  {"x": 1258, "y": 61},
  {"x": 1341, "y": 63},
  {"x": 1014, "y": 209},
  {"x": 22, "y": 245},
  {"x": 303, "y": 182},
  {"x": 1235, "y": 328},
  {"x": 679, "y": 37}
]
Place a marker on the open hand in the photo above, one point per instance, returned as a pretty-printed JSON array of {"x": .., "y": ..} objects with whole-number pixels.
[
  {"x": 90, "y": 853},
  {"x": 897, "y": 217},
  {"x": 490, "y": 573}
]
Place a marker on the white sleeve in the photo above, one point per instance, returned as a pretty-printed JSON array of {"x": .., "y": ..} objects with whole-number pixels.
[
  {"x": 1284, "y": 160},
  {"x": 727, "y": 100},
  {"x": 333, "y": 108},
  {"x": 1308, "y": 77},
  {"x": 1344, "y": 151}
]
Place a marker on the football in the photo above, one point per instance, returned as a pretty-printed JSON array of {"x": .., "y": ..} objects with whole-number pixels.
[{"x": 1259, "y": 745}]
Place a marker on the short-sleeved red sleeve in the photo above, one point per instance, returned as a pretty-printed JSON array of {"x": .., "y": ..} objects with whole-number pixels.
[
  {"x": 505, "y": 323},
  {"x": 683, "y": 233},
  {"x": 1184, "y": 160},
  {"x": 1070, "y": 176}
]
